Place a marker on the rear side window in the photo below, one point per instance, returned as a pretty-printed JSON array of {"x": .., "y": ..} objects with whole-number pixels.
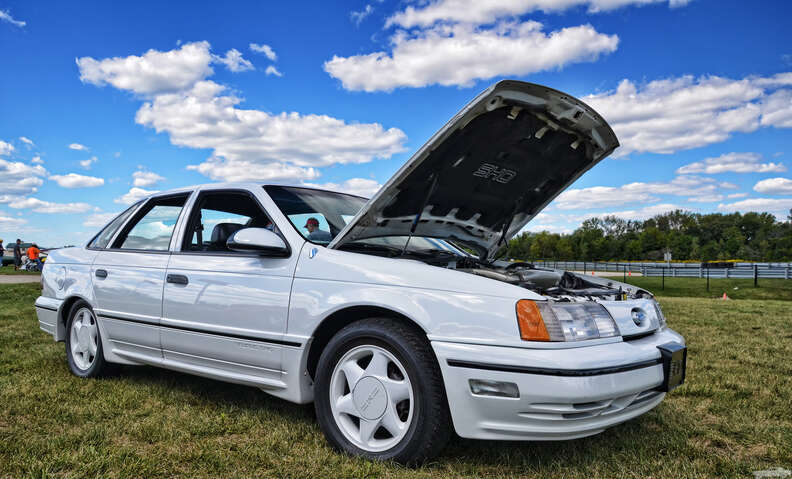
[
  {"x": 104, "y": 236},
  {"x": 152, "y": 228}
]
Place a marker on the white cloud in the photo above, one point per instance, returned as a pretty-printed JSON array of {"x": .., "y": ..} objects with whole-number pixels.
[
  {"x": 665, "y": 116},
  {"x": 87, "y": 163},
  {"x": 99, "y": 219},
  {"x": 641, "y": 213},
  {"x": 6, "y": 17},
  {"x": 234, "y": 61},
  {"x": 777, "y": 109},
  {"x": 19, "y": 179},
  {"x": 732, "y": 162},
  {"x": 146, "y": 178},
  {"x": 359, "y": 16},
  {"x": 37, "y": 160},
  {"x": 40, "y": 206},
  {"x": 271, "y": 70},
  {"x": 778, "y": 206},
  {"x": 249, "y": 144},
  {"x": 265, "y": 49},
  {"x": 695, "y": 187},
  {"x": 354, "y": 186},
  {"x": 73, "y": 180},
  {"x": 737, "y": 195},
  {"x": 266, "y": 146},
  {"x": 10, "y": 222},
  {"x": 6, "y": 148},
  {"x": 461, "y": 54},
  {"x": 78, "y": 147},
  {"x": 774, "y": 186},
  {"x": 153, "y": 72},
  {"x": 133, "y": 195},
  {"x": 487, "y": 11},
  {"x": 27, "y": 141}
]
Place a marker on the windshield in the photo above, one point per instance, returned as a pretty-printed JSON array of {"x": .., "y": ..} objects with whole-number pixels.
[{"x": 320, "y": 215}]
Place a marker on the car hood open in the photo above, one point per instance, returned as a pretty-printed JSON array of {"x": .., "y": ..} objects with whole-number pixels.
[{"x": 489, "y": 170}]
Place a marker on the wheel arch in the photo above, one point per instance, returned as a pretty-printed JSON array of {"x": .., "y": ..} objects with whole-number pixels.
[
  {"x": 343, "y": 317},
  {"x": 63, "y": 314}
]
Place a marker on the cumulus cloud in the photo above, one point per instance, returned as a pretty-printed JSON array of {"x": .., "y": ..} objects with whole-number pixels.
[
  {"x": 265, "y": 49},
  {"x": 78, "y": 147},
  {"x": 87, "y": 163},
  {"x": 778, "y": 206},
  {"x": 777, "y": 109},
  {"x": 6, "y": 148},
  {"x": 234, "y": 61},
  {"x": 73, "y": 180},
  {"x": 354, "y": 186},
  {"x": 461, "y": 54},
  {"x": 27, "y": 141},
  {"x": 10, "y": 221},
  {"x": 40, "y": 206},
  {"x": 774, "y": 186},
  {"x": 665, "y": 116},
  {"x": 19, "y": 179},
  {"x": 697, "y": 188},
  {"x": 37, "y": 160},
  {"x": 99, "y": 219},
  {"x": 271, "y": 70},
  {"x": 732, "y": 162},
  {"x": 146, "y": 178},
  {"x": 133, "y": 195},
  {"x": 244, "y": 143},
  {"x": 151, "y": 73},
  {"x": 6, "y": 17}
]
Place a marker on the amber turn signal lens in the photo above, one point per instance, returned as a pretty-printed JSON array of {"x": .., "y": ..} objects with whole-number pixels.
[{"x": 532, "y": 326}]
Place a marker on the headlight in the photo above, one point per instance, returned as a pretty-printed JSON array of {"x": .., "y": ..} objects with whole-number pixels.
[
  {"x": 545, "y": 321},
  {"x": 660, "y": 317}
]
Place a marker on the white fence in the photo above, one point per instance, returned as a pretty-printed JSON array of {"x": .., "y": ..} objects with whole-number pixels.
[{"x": 676, "y": 270}]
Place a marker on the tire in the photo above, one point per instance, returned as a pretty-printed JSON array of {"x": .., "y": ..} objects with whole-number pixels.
[
  {"x": 410, "y": 422},
  {"x": 84, "y": 344}
]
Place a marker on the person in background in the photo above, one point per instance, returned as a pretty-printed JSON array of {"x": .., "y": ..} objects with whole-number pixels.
[
  {"x": 2, "y": 252},
  {"x": 33, "y": 254},
  {"x": 314, "y": 233},
  {"x": 17, "y": 254}
]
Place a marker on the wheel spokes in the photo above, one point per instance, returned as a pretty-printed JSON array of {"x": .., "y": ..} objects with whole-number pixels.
[
  {"x": 346, "y": 405},
  {"x": 352, "y": 371},
  {"x": 390, "y": 421},
  {"x": 367, "y": 430},
  {"x": 378, "y": 366},
  {"x": 397, "y": 390}
]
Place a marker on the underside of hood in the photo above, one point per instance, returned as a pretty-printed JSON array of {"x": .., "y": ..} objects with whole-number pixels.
[{"x": 488, "y": 171}]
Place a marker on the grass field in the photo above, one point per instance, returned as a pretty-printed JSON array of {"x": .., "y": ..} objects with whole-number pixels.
[
  {"x": 732, "y": 416},
  {"x": 10, "y": 270}
]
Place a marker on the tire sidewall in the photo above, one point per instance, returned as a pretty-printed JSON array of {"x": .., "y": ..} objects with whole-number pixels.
[
  {"x": 380, "y": 336},
  {"x": 98, "y": 362}
]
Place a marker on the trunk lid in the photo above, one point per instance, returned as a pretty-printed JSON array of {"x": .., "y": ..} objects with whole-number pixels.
[{"x": 493, "y": 167}]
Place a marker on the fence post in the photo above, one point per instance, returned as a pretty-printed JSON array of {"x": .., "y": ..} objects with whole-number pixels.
[
  {"x": 701, "y": 274},
  {"x": 755, "y": 275},
  {"x": 624, "y": 270},
  {"x": 584, "y": 267},
  {"x": 727, "y": 272},
  {"x": 663, "y": 285},
  {"x": 708, "y": 279},
  {"x": 786, "y": 272}
]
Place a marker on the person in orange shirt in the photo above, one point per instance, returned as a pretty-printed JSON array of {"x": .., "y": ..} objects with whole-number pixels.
[{"x": 33, "y": 254}]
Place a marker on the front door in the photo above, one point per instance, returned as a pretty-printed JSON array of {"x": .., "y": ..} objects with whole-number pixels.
[
  {"x": 224, "y": 313},
  {"x": 129, "y": 277}
]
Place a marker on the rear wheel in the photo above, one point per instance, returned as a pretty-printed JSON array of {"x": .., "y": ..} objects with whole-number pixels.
[
  {"x": 379, "y": 393},
  {"x": 83, "y": 342}
]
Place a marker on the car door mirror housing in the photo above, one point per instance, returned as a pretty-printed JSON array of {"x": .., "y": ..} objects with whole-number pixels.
[{"x": 258, "y": 240}]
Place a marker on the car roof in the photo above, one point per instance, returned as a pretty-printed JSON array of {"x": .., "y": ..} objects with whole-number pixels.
[{"x": 245, "y": 185}]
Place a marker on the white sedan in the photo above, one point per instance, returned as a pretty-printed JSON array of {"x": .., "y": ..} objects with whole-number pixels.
[{"x": 393, "y": 315}]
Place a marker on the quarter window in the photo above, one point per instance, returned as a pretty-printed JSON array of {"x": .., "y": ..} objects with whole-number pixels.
[{"x": 104, "y": 236}]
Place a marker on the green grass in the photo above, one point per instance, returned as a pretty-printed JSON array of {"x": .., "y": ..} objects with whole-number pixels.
[
  {"x": 773, "y": 289},
  {"x": 10, "y": 270},
  {"x": 730, "y": 418}
]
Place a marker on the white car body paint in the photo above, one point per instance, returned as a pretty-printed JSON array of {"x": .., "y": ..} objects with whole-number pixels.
[{"x": 251, "y": 319}]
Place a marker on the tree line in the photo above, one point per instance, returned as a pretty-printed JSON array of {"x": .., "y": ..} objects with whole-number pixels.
[{"x": 689, "y": 236}]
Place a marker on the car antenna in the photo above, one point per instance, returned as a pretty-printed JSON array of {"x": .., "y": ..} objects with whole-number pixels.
[{"x": 420, "y": 212}]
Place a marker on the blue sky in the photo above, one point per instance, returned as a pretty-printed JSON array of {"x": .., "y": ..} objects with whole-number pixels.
[{"x": 102, "y": 102}]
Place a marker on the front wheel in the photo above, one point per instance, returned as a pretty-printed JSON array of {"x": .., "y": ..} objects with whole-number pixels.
[{"x": 379, "y": 393}]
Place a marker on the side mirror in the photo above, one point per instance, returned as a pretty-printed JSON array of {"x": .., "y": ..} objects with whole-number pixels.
[{"x": 257, "y": 240}]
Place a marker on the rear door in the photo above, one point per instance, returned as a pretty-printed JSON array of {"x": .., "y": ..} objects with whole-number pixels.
[
  {"x": 129, "y": 277},
  {"x": 225, "y": 312}
]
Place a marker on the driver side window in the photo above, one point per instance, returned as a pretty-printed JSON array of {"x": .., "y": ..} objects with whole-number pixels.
[{"x": 217, "y": 216}]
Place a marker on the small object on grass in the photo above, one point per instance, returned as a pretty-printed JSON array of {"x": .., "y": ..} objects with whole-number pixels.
[
  {"x": 736, "y": 288},
  {"x": 725, "y": 297}
]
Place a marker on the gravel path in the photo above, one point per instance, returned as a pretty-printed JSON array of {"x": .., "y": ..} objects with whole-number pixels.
[{"x": 19, "y": 278}]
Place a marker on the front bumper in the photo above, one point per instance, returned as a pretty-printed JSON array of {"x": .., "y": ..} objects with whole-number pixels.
[{"x": 564, "y": 393}]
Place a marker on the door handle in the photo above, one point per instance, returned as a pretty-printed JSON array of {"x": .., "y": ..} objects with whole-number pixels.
[
  {"x": 177, "y": 279},
  {"x": 101, "y": 273}
]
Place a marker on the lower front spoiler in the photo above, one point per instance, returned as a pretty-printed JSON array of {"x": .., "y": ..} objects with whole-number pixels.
[{"x": 549, "y": 407}]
